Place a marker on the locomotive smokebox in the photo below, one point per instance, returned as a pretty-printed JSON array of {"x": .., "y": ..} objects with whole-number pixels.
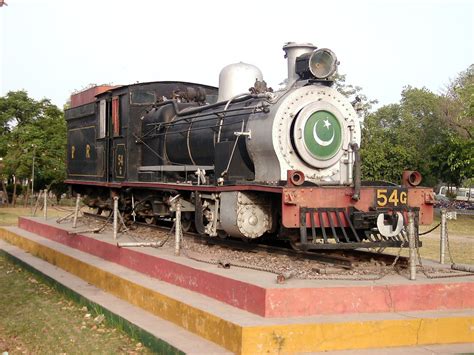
[
  {"x": 292, "y": 51},
  {"x": 237, "y": 78}
]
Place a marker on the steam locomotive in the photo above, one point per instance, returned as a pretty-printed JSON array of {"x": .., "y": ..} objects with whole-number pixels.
[{"x": 245, "y": 161}]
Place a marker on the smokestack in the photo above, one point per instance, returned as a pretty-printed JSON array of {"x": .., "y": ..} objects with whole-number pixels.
[{"x": 292, "y": 51}]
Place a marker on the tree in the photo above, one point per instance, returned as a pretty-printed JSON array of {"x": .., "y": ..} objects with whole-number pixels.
[
  {"x": 32, "y": 128},
  {"x": 458, "y": 103},
  {"x": 456, "y": 155},
  {"x": 454, "y": 159},
  {"x": 426, "y": 132},
  {"x": 354, "y": 93},
  {"x": 401, "y": 135},
  {"x": 383, "y": 157},
  {"x": 16, "y": 108}
]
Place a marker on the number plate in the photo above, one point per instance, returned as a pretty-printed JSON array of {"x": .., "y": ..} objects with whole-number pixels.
[{"x": 391, "y": 197}]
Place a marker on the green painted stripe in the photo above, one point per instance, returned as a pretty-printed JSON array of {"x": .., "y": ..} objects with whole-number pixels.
[{"x": 155, "y": 344}]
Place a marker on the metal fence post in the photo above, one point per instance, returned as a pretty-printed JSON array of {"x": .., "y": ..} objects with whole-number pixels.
[
  {"x": 115, "y": 216},
  {"x": 76, "y": 211},
  {"x": 412, "y": 245},
  {"x": 38, "y": 201},
  {"x": 442, "y": 237},
  {"x": 45, "y": 204},
  {"x": 177, "y": 228}
]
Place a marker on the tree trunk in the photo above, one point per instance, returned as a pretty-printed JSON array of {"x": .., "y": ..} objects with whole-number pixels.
[
  {"x": 14, "y": 193},
  {"x": 26, "y": 195},
  {"x": 5, "y": 193}
]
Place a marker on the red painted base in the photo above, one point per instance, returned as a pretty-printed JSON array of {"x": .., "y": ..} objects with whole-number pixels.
[{"x": 276, "y": 301}]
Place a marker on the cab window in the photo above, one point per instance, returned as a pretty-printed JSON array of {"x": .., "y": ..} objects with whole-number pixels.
[
  {"x": 142, "y": 97},
  {"x": 116, "y": 116}
]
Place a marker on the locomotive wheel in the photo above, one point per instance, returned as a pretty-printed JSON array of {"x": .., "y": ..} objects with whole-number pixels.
[
  {"x": 96, "y": 210},
  {"x": 293, "y": 238},
  {"x": 186, "y": 221},
  {"x": 221, "y": 234},
  {"x": 150, "y": 220},
  {"x": 293, "y": 245}
]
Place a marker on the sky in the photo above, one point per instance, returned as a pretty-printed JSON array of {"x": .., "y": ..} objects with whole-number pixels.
[{"x": 52, "y": 47}]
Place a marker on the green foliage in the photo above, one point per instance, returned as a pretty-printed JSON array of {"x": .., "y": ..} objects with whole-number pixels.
[
  {"x": 16, "y": 109},
  {"x": 32, "y": 129},
  {"x": 10, "y": 188},
  {"x": 468, "y": 182},
  {"x": 454, "y": 159},
  {"x": 352, "y": 92},
  {"x": 458, "y": 103},
  {"x": 426, "y": 132}
]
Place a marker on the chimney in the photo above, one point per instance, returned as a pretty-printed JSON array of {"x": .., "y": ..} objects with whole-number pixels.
[{"x": 292, "y": 51}]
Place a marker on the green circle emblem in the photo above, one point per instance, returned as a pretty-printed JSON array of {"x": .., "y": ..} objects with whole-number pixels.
[{"x": 322, "y": 135}]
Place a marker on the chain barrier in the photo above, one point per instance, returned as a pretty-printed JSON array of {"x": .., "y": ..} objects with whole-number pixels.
[
  {"x": 96, "y": 230},
  {"x": 52, "y": 204},
  {"x": 187, "y": 252},
  {"x": 373, "y": 277},
  {"x": 281, "y": 277},
  {"x": 122, "y": 231},
  {"x": 224, "y": 264},
  {"x": 429, "y": 231},
  {"x": 448, "y": 245},
  {"x": 442, "y": 275},
  {"x": 59, "y": 208},
  {"x": 70, "y": 216}
]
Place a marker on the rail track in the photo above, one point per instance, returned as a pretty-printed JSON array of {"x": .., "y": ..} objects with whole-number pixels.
[{"x": 346, "y": 259}]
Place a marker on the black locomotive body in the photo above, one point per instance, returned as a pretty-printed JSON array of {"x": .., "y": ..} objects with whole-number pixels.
[
  {"x": 244, "y": 161},
  {"x": 102, "y": 134}
]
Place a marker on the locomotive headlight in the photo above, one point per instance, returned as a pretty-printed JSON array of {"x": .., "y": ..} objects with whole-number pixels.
[
  {"x": 323, "y": 63},
  {"x": 320, "y": 64}
]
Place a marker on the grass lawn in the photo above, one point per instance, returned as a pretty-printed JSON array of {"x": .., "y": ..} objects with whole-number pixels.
[
  {"x": 462, "y": 251},
  {"x": 9, "y": 215},
  {"x": 461, "y": 241},
  {"x": 35, "y": 318},
  {"x": 462, "y": 226}
]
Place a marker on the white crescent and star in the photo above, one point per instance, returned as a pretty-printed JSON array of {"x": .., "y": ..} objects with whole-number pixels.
[{"x": 320, "y": 141}]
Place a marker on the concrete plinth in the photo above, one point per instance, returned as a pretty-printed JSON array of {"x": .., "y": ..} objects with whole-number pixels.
[
  {"x": 257, "y": 292},
  {"x": 245, "y": 311}
]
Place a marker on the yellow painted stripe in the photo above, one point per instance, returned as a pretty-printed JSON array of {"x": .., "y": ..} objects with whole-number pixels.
[
  {"x": 261, "y": 339},
  {"x": 357, "y": 335},
  {"x": 206, "y": 325}
]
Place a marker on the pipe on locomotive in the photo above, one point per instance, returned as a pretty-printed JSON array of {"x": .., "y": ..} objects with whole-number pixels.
[
  {"x": 357, "y": 172},
  {"x": 190, "y": 111},
  {"x": 225, "y": 110}
]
